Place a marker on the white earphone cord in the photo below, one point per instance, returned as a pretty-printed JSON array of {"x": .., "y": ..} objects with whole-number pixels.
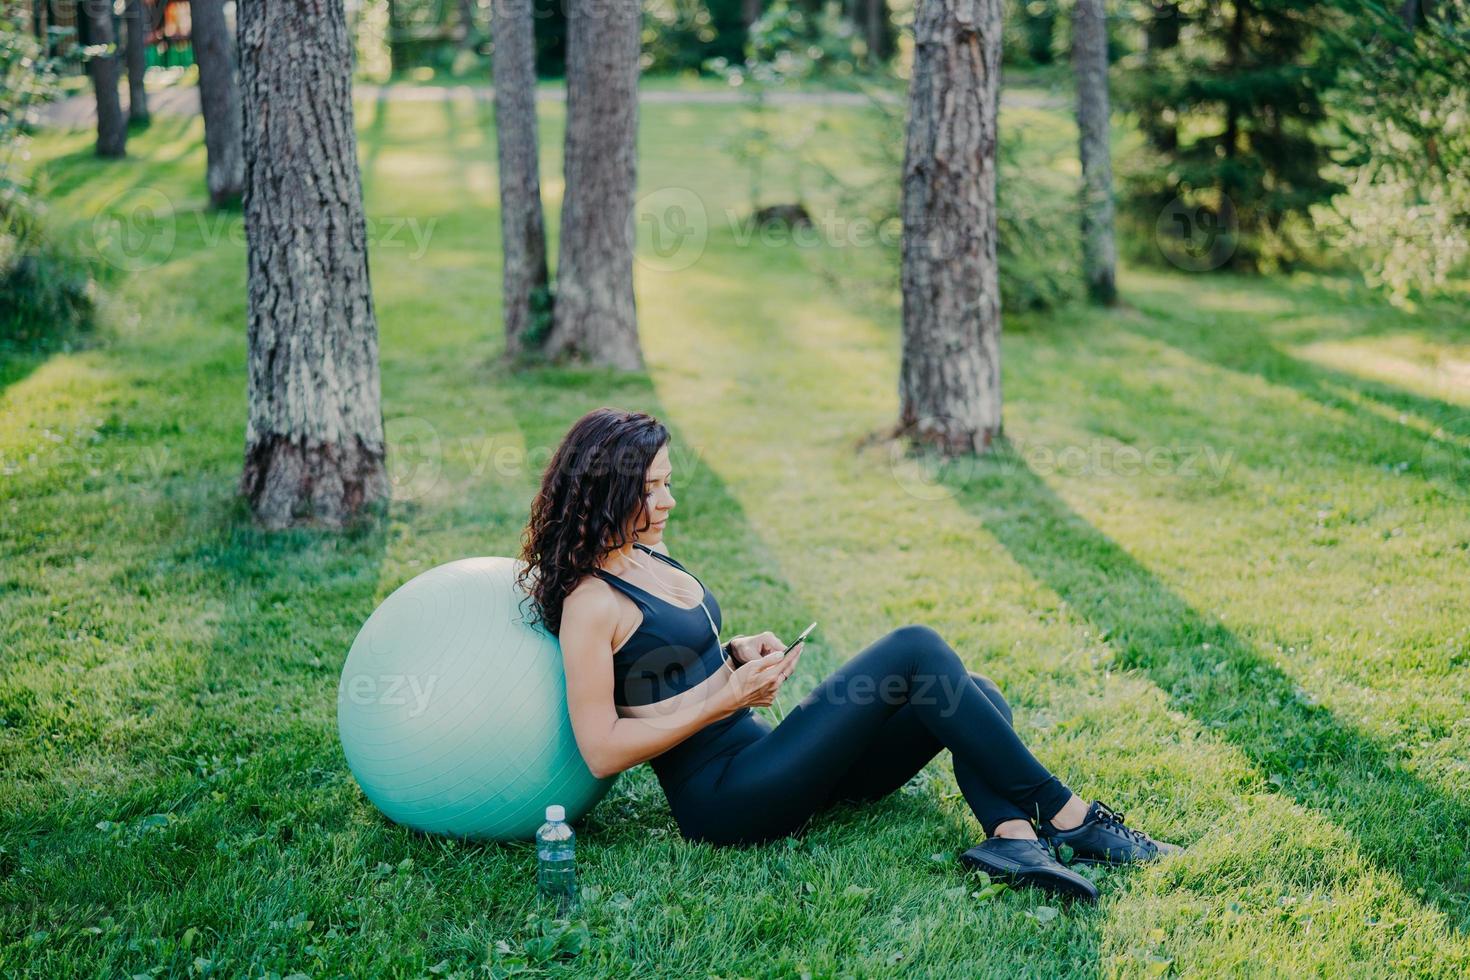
[{"x": 678, "y": 591}]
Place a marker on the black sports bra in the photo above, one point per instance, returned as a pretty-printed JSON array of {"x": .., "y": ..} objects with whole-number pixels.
[{"x": 671, "y": 651}]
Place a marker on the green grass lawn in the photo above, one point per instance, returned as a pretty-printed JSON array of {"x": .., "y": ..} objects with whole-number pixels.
[{"x": 1220, "y": 572}]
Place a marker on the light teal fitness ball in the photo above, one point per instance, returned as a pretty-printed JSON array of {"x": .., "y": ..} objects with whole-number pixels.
[{"x": 453, "y": 709}]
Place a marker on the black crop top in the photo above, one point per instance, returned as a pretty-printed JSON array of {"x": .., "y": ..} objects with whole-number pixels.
[{"x": 672, "y": 650}]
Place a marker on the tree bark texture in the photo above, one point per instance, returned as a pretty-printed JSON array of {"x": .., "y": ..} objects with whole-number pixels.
[
  {"x": 594, "y": 318},
  {"x": 112, "y": 126},
  {"x": 314, "y": 448},
  {"x": 522, "y": 226},
  {"x": 137, "y": 57},
  {"x": 1090, "y": 66},
  {"x": 219, "y": 99},
  {"x": 949, "y": 384}
]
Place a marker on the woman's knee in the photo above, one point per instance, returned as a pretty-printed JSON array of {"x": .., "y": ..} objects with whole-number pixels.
[
  {"x": 924, "y": 645},
  {"x": 991, "y": 690}
]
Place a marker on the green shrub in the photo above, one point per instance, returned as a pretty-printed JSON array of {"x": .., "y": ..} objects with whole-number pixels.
[
  {"x": 1403, "y": 218},
  {"x": 46, "y": 292}
]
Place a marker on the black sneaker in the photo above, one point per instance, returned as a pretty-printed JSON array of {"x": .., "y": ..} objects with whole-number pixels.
[
  {"x": 1027, "y": 862},
  {"x": 1104, "y": 838}
]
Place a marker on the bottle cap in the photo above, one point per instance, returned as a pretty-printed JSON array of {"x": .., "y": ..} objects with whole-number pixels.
[{"x": 555, "y": 812}]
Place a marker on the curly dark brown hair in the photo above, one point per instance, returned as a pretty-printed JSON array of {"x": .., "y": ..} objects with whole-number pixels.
[{"x": 591, "y": 494}]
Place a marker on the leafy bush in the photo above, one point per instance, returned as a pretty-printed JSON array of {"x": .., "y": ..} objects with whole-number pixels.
[
  {"x": 46, "y": 292},
  {"x": 798, "y": 42},
  {"x": 1039, "y": 240},
  {"x": 1029, "y": 32},
  {"x": 1404, "y": 107},
  {"x": 680, "y": 36}
]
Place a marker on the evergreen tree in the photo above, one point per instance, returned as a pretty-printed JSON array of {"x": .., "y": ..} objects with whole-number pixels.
[
  {"x": 1233, "y": 112},
  {"x": 1403, "y": 107}
]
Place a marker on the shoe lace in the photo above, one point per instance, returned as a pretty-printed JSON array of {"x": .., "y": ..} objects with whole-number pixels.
[
  {"x": 1045, "y": 847},
  {"x": 1108, "y": 815}
]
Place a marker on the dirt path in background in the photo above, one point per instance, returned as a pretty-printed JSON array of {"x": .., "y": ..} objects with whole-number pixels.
[{"x": 183, "y": 100}]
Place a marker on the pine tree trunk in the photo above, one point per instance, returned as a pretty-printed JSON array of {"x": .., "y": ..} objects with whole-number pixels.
[
  {"x": 750, "y": 11},
  {"x": 1162, "y": 34},
  {"x": 219, "y": 99},
  {"x": 949, "y": 386},
  {"x": 466, "y": 23},
  {"x": 1234, "y": 53},
  {"x": 1090, "y": 65},
  {"x": 395, "y": 48},
  {"x": 112, "y": 127},
  {"x": 137, "y": 55},
  {"x": 314, "y": 447},
  {"x": 876, "y": 30},
  {"x": 522, "y": 227},
  {"x": 595, "y": 319}
]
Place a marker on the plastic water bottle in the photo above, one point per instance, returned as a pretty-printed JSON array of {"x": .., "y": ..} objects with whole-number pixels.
[{"x": 556, "y": 860}]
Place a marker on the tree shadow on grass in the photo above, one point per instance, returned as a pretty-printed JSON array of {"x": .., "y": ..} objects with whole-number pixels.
[
  {"x": 1246, "y": 347},
  {"x": 1402, "y": 823},
  {"x": 82, "y": 169},
  {"x": 18, "y": 363},
  {"x": 218, "y": 716}
]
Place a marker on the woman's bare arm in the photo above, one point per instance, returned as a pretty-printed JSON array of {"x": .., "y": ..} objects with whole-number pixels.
[{"x": 609, "y": 743}]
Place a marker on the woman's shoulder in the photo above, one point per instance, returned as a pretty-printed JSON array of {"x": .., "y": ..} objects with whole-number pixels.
[
  {"x": 591, "y": 596},
  {"x": 592, "y": 610}
]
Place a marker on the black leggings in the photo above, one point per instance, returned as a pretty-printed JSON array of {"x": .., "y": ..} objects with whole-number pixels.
[{"x": 862, "y": 733}]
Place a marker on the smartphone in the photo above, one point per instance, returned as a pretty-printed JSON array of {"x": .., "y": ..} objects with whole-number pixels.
[{"x": 804, "y": 634}]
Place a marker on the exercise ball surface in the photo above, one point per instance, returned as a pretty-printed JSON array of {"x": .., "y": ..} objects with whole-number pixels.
[{"x": 452, "y": 708}]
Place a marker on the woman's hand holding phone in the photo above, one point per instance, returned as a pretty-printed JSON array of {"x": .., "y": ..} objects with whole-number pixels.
[
  {"x": 754, "y": 684},
  {"x": 744, "y": 649}
]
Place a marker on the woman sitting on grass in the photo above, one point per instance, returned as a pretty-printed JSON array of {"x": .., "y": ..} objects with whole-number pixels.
[{"x": 648, "y": 679}]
